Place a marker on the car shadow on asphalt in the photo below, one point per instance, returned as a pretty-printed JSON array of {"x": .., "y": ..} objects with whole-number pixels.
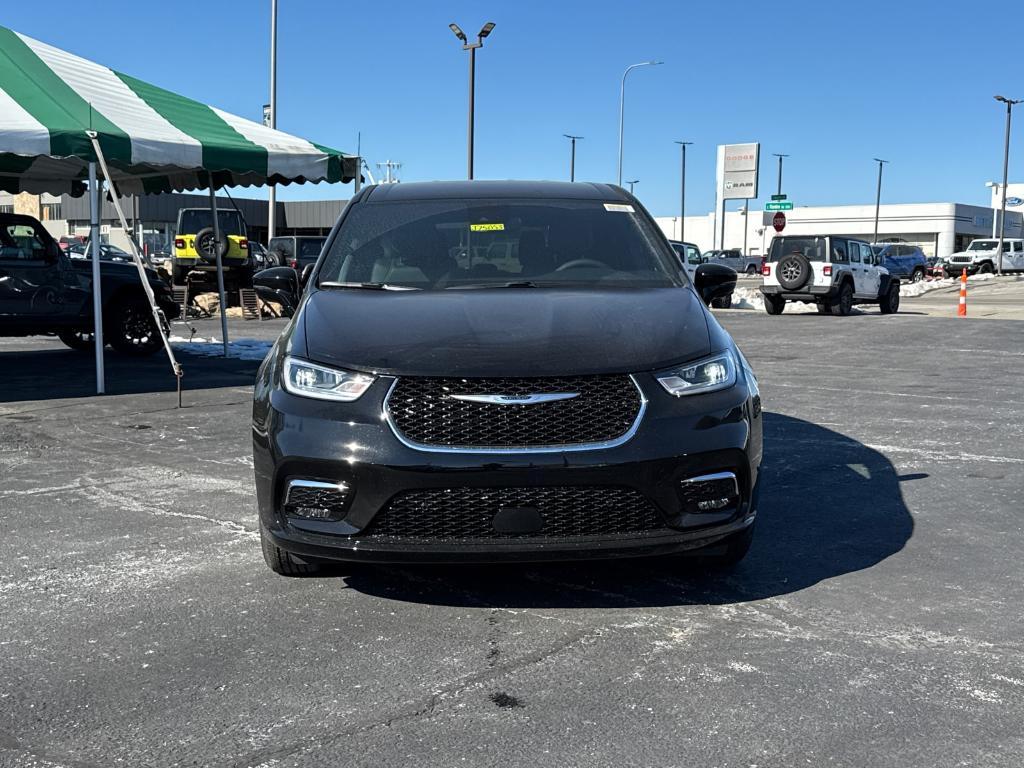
[
  {"x": 829, "y": 506},
  {"x": 53, "y": 374}
]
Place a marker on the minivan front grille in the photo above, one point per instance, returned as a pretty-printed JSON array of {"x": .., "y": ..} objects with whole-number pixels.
[
  {"x": 475, "y": 513},
  {"x": 568, "y": 412}
]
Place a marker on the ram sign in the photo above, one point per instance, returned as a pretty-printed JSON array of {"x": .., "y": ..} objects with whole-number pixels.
[{"x": 739, "y": 171}]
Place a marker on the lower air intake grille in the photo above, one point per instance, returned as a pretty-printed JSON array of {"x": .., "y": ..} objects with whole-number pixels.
[{"x": 473, "y": 513}]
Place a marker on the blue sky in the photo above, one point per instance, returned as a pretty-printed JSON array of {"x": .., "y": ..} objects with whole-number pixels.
[{"x": 831, "y": 84}]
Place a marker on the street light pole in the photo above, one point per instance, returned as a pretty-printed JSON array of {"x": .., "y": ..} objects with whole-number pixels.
[
  {"x": 1006, "y": 164},
  {"x": 878, "y": 196},
  {"x": 631, "y": 183},
  {"x": 272, "y": 116},
  {"x": 682, "y": 189},
  {"x": 572, "y": 156},
  {"x": 780, "y": 169},
  {"x": 471, "y": 47},
  {"x": 622, "y": 106}
]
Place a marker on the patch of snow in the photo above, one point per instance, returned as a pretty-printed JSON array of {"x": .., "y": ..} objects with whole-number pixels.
[
  {"x": 752, "y": 298},
  {"x": 909, "y": 290},
  {"x": 240, "y": 349}
]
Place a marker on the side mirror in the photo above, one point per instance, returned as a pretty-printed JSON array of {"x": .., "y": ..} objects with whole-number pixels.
[
  {"x": 304, "y": 279},
  {"x": 714, "y": 281}
]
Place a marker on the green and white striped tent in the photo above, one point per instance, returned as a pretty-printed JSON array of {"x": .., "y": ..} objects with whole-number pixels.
[
  {"x": 153, "y": 140},
  {"x": 56, "y": 109}
]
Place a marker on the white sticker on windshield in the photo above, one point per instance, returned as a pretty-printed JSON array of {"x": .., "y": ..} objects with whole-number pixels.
[{"x": 619, "y": 208}]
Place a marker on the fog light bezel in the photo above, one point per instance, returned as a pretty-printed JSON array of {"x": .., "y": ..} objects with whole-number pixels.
[
  {"x": 342, "y": 487},
  {"x": 729, "y": 504}
]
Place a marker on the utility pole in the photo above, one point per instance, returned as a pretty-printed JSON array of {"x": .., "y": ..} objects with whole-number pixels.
[
  {"x": 272, "y": 117},
  {"x": 471, "y": 47},
  {"x": 1006, "y": 164},
  {"x": 682, "y": 190},
  {"x": 572, "y": 156},
  {"x": 776, "y": 154},
  {"x": 878, "y": 196}
]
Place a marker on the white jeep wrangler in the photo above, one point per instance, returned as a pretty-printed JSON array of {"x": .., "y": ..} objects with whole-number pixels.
[
  {"x": 832, "y": 271},
  {"x": 982, "y": 257}
]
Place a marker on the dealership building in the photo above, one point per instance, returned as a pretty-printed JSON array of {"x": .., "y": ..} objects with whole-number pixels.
[
  {"x": 157, "y": 215},
  {"x": 939, "y": 229}
]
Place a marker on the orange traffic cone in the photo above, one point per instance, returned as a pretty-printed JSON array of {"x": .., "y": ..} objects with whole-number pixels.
[{"x": 961, "y": 311}]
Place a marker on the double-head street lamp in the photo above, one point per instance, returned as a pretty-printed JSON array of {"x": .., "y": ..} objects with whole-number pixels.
[
  {"x": 572, "y": 156},
  {"x": 622, "y": 106},
  {"x": 471, "y": 47},
  {"x": 1006, "y": 165},
  {"x": 631, "y": 183},
  {"x": 878, "y": 195},
  {"x": 682, "y": 189}
]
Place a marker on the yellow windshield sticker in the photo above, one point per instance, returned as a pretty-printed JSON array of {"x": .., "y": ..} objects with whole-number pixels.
[{"x": 496, "y": 227}]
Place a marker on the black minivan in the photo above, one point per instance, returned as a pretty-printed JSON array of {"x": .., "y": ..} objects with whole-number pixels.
[{"x": 489, "y": 371}]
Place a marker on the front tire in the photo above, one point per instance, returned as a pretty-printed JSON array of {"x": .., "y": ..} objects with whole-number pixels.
[
  {"x": 736, "y": 547},
  {"x": 986, "y": 269},
  {"x": 282, "y": 562},
  {"x": 132, "y": 328},
  {"x": 80, "y": 341},
  {"x": 725, "y": 302},
  {"x": 918, "y": 276},
  {"x": 773, "y": 305},
  {"x": 890, "y": 303}
]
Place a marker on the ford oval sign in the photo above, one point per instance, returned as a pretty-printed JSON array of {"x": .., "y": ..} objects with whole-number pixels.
[{"x": 1014, "y": 202}]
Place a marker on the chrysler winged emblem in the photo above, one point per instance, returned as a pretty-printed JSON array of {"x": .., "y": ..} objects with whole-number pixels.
[{"x": 549, "y": 397}]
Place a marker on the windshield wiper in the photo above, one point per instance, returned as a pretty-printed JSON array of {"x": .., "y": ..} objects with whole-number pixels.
[
  {"x": 367, "y": 286},
  {"x": 512, "y": 284}
]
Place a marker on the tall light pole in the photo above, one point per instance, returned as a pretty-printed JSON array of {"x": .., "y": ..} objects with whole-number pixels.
[
  {"x": 622, "y": 105},
  {"x": 471, "y": 47},
  {"x": 271, "y": 117},
  {"x": 682, "y": 189},
  {"x": 995, "y": 211},
  {"x": 1006, "y": 164},
  {"x": 631, "y": 183},
  {"x": 878, "y": 195},
  {"x": 776, "y": 154},
  {"x": 572, "y": 156}
]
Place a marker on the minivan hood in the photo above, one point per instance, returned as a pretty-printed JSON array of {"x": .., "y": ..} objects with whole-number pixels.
[{"x": 502, "y": 331}]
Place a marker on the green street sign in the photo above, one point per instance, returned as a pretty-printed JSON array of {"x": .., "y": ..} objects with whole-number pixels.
[
  {"x": 779, "y": 206},
  {"x": 778, "y": 197}
]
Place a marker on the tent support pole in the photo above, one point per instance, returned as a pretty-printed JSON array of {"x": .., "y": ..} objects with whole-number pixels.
[
  {"x": 158, "y": 318},
  {"x": 220, "y": 266},
  {"x": 97, "y": 285}
]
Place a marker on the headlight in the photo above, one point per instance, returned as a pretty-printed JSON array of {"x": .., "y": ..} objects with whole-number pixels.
[
  {"x": 307, "y": 379},
  {"x": 708, "y": 375}
]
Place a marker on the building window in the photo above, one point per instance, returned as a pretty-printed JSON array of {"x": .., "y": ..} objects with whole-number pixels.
[
  {"x": 6, "y": 209},
  {"x": 50, "y": 211}
]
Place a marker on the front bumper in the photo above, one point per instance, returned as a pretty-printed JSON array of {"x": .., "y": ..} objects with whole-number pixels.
[{"x": 678, "y": 438}]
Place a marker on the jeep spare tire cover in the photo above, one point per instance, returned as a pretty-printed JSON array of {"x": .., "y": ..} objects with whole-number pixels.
[
  {"x": 793, "y": 271},
  {"x": 204, "y": 245}
]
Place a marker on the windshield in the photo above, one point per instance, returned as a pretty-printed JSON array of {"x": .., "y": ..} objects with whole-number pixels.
[
  {"x": 983, "y": 245},
  {"x": 450, "y": 244},
  {"x": 191, "y": 220},
  {"x": 813, "y": 248}
]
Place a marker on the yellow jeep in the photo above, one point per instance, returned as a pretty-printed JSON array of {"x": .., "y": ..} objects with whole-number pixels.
[{"x": 194, "y": 249}]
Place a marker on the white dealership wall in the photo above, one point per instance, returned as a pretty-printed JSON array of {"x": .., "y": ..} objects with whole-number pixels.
[{"x": 937, "y": 228}]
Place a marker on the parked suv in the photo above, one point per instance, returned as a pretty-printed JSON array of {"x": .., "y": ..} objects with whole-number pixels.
[
  {"x": 490, "y": 371},
  {"x": 295, "y": 251},
  {"x": 43, "y": 291},
  {"x": 903, "y": 261},
  {"x": 195, "y": 250},
  {"x": 981, "y": 257},
  {"x": 832, "y": 271},
  {"x": 735, "y": 259}
]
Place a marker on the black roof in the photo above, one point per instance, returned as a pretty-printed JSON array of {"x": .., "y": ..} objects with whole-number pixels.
[{"x": 433, "y": 190}]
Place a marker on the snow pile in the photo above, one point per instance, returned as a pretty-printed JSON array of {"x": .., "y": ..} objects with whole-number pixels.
[
  {"x": 927, "y": 286},
  {"x": 752, "y": 298},
  {"x": 240, "y": 349}
]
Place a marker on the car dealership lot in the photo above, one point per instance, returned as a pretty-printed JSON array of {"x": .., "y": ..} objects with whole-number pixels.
[{"x": 876, "y": 620}]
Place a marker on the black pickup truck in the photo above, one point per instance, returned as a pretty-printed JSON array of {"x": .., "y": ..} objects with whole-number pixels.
[{"x": 42, "y": 291}]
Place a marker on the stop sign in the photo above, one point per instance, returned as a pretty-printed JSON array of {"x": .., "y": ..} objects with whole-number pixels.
[{"x": 779, "y": 221}]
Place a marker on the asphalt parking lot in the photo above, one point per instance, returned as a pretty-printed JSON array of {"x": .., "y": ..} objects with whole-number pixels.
[{"x": 876, "y": 621}]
